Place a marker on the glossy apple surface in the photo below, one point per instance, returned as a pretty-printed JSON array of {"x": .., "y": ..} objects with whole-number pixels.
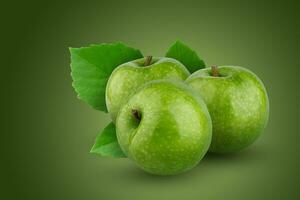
[
  {"x": 237, "y": 102},
  {"x": 165, "y": 127},
  {"x": 126, "y": 78}
]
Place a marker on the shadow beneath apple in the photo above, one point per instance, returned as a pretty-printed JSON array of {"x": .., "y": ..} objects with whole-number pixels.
[
  {"x": 137, "y": 174},
  {"x": 211, "y": 163},
  {"x": 246, "y": 155}
]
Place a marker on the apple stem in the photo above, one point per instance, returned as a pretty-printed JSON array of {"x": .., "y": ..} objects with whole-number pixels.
[
  {"x": 136, "y": 114},
  {"x": 215, "y": 71},
  {"x": 148, "y": 60}
]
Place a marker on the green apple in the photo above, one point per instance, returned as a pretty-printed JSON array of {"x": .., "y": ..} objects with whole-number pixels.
[
  {"x": 126, "y": 78},
  {"x": 237, "y": 102},
  {"x": 165, "y": 127}
]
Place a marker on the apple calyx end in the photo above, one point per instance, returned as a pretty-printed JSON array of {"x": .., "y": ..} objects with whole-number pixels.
[
  {"x": 136, "y": 114},
  {"x": 148, "y": 60},
  {"x": 215, "y": 71}
]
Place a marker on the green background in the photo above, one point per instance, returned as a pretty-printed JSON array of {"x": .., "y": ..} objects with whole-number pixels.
[{"x": 47, "y": 132}]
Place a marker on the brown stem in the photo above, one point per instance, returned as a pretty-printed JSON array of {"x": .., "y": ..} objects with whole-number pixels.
[
  {"x": 215, "y": 71},
  {"x": 148, "y": 60},
  {"x": 136, "y": 114}
]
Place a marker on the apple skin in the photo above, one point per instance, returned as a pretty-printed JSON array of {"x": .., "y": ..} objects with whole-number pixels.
[
  {"x": 126, "y": 78},
  {"x": 174, "y": 132},
  {"x": 238, "y": 105}
]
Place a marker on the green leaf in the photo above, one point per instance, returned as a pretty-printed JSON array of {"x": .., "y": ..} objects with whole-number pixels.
[
  {"x": 107, "y": 144},
  {"x": 91, "y": 67},
  {"x": 186, "y": 56}
]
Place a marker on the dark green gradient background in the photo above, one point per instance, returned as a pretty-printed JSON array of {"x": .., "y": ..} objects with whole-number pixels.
[{"x": 47, "y": 132}]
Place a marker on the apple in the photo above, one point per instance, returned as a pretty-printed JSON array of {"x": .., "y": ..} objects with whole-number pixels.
[
  {"x": 126, "y": 78},
  {"x": 165, "y": 127},
  {"x": 237, "y": 102}
]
